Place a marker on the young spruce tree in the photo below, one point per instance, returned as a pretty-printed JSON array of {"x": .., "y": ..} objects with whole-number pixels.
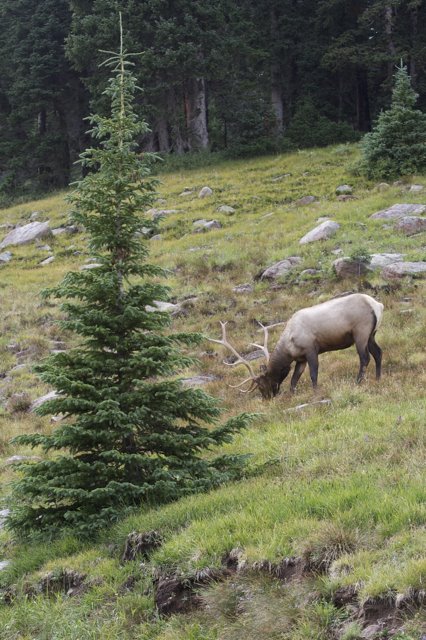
[
  {"x": 397, "y": 144},
  {"x": 133, "y": 433}
]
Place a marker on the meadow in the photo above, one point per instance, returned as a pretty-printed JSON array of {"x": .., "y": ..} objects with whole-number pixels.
[{"x": 337, "y": 487}]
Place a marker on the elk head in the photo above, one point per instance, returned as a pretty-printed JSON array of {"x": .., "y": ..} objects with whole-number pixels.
[{"x": 264, "y": 382}]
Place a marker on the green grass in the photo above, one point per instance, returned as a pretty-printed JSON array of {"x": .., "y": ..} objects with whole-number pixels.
[{"x": 341, "y": 485}]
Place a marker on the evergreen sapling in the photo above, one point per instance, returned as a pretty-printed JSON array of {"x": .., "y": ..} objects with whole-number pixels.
[
  {"x": 133, "y": 433},
  {"x": 397, "y": 144}
]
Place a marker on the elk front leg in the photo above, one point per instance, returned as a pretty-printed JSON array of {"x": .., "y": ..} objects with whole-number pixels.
[{"x": 298, "y": 370}]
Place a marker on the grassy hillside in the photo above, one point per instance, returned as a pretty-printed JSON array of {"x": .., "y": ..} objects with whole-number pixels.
[{"x": 337, "y": 489}]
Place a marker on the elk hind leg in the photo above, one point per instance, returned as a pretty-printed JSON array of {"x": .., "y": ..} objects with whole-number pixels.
[
  {"x": 364, "y": 359},
  {"x": 376, "y": 352}
]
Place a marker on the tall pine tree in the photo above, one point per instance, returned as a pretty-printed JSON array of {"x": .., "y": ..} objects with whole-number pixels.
[{"x": 133, "y": 434}]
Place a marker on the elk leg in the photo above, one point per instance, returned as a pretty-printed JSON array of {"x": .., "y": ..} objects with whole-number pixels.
[
  {"x": 376, "y": 352},
  {"x": 298, "y": 370},
  {"x": 312, "y": 359},
  {"x": 364, "y": 359}
]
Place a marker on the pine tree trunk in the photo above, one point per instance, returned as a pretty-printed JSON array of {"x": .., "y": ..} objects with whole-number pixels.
[
  {"x": 390, "y": 42},
  {"x": 414, "y": 24},
  {"x": 162, "y": 131},
  {"x": 196, "y": 113},
  {"x": 177, "y": 142},
  {"x": 277, "y": 100},
  {"x": 42, "y": 122},
  {"x": 362, "y": 101}
]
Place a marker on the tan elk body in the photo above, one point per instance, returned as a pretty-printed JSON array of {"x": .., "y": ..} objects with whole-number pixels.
[{"x": 330, "y": 326}]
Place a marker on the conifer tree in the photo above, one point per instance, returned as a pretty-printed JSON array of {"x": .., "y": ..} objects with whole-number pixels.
[
  {"x": 397, "y": 144},
  {"x": 133, "y": 434}
]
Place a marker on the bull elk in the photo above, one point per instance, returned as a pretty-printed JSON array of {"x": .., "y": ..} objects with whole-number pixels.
[{"x": 330, "y": 326}]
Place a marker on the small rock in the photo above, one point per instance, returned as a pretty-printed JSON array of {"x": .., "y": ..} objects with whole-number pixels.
[
  {"x": 226, "y": 209},
  {"x": 162, "y": 213},
  {"x": 26, "y": 233},
  {"x": 322, "y": 219},
  {"x": 344, "y": 190},
  {"x": 323, "y": 231},
  {"x": 44, "y": 247},
  {"x": 157, "y": 236},
  {"x": 5, "y": 257},
  {"x": 243, "y": 288},
  {"x": 399, "y": 211},
  {"x": 411, "y": 225},
  {"x": 187, "y": 192},
  {"x": 382, "y": 186},
  {"x": 47, "y": 261},
  {"x": 401, "y": 269},
  {"x": 92, "y": 265},
  {"x": 34, "y": 215},
  {"x": 280, "y": 268},
  {"x": 159, "y": 305},
  {"x": 4, "y": 564},
  {"x": 69, "y": 229},
  {"x": 206, "y": 225},
  {"x": 415, "y": 188},
  {"x": 301, "y": 202},
  {"x": 3, "y": 515},
  {"x": 348, "y": 268},
  {"x": 337, "y": 252},
  {"x": 205, "y": 192}
]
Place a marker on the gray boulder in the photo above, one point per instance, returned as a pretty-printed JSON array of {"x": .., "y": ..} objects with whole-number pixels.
[
  {"x": 47, "y": 261},
  {"x": 399, "y": 211},
  {"x": 411, "y": 225},
  {"x": 205, "y": 192},
  {"x": 401, "y": 269},
  {"x": 323, "y": 231},
  {"x": 280, "y": 268},
  {"x": 226, "y": 209},
  {"x": 344, "y": 190},
  {"x": 27, "y": 233},
  {"x": 416, "y": 188},
  {"x": 301, "y": 202},
  {"x": 383, "y": 186},
  {"x": 380, "y": 260}
]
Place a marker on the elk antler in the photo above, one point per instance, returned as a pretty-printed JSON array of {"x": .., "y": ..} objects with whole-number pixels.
[
  {"x": 240, "y": 360},
  {"x": 264, "y": 347}
]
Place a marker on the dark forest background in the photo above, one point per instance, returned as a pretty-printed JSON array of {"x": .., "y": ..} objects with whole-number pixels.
[{"x": 239, "y": 76}]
